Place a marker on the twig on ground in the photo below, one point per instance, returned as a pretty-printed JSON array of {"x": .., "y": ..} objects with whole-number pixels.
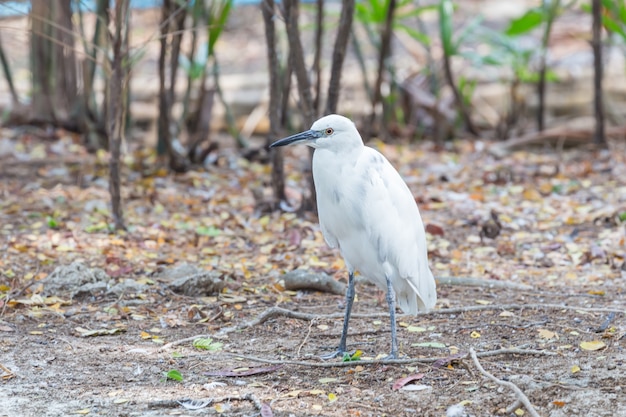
[
  {"x": 308, "y": 333},
  {"x": 510, "y": 351},
  {"x": 178, "y": 403},
  {"x": 479, "y": 282},
  {"x": 518, "y": 392},
  {"x": 282, "y": 312},
  {"x": 8, "y": 374}
]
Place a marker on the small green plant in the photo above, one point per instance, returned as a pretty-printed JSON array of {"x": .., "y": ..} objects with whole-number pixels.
[
  {"x": 356, "y": 356},
  {"x": 173, "y": 374},
  {"x": 207, "y": 344}
]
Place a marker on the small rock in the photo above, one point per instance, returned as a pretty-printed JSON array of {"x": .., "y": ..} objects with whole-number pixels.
[
  {"x": 190, "y": 280},
  {"x": 128, "y": 286},
  {"x": 75, "y": 279}
]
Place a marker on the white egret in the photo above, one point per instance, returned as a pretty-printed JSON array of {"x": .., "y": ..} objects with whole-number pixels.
[{"x": 367, "y": 211}]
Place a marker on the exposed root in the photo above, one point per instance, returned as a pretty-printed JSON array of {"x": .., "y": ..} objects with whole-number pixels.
[
  {"x": 408, "y": 361},
  {"x": 480, "y": 282},
  {"x": 282, "y": 312},
  {"x": 521, "y": 397}
]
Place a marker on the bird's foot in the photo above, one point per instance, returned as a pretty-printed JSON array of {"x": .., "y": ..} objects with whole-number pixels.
[
  {"x": 392, "y": 355},
  {"x": 339, "y": 353}
]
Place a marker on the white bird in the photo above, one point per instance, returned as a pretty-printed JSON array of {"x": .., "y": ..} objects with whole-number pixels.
[{"x": 367, "y": 211}]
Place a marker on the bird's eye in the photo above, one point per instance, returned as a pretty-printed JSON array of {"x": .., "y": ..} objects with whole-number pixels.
[{"x": 329, "y": 131}]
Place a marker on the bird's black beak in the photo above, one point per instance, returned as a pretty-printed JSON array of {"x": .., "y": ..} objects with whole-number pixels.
[{"x": 298, "y": 138}]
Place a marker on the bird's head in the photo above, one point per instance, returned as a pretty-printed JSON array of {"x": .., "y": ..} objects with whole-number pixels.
[{"x": 331, "y": 132}]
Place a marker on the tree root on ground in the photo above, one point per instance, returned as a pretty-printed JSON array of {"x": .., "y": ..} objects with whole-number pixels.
[{"x": 520, "y": 396}]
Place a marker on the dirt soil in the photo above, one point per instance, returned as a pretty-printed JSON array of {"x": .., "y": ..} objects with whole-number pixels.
[{"x": 559, "y": 255}]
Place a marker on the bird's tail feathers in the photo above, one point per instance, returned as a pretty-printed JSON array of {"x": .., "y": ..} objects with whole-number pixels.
[{"x": 414, "y": 298}]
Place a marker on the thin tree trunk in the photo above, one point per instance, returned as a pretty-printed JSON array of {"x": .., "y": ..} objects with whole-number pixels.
[
  {"x": 304, "y": 87},
  {"x": 116, "y": 108},
  {"x": 177, "y": 161},
  {"x": 541, "y": 85},
  {"x": 458, "y": 98},
  {"x": 384, "y": 51},
  {"x": 7, "y": 75},
  {"x": 278, "y": 169},
  {"x": 599, "y": 136},
  {"x": 319, "y": 32},
  {"x": 339, "y": 55}
]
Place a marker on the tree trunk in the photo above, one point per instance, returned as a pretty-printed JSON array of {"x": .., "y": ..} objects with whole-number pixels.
[
  {"x": 599, "y": 136},
  {"x": 115, "y": 105},
  {"x": 278, "y": 169},
  {"x": 55, "y": 96},
  {"x": 339, "y": 55}
]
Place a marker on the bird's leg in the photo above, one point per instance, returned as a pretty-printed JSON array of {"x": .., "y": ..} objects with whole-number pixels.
[
  {"x": 391, "y": 302},
  {"x": 346, "y": 318}
]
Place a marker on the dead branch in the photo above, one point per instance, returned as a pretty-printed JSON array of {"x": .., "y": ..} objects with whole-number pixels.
[
  {"x": 518, "y": 392},
  {"x": 479, "y": 282},
  {"x": 206, "y": 401},
  {"x": 408, "y": 361},
  {"x": 301, "y": 280},
  {"x": 282, "y": 312},
  {"x": 552, "y": 136}
]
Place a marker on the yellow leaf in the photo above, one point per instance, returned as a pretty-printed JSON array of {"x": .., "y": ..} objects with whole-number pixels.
[
  {"x": 316, "y": 392},
  {"x": 575, "y": 369},
  {"x": 323, "y": 327},
  {"x": 506, "y": 314},
  {"x": 531, "y": 194},
  {"x": 293, "y": 394},
  {"x": 219, "y": 408},
  {"x": 547, "y": 334},
  {"x": 145, "y": 335},
  {"x": 519, "y": 412},
  {"x": 36, "y": 332},
  {"x": 596, "y": 292},
  {"x": 83, "y": 411},
  {"x": 475, "y": 335},
  {"x": 416, "y": 329},
  {"x": 332, "y": 397},
  {"x": 120, "y": 400},
  {"x": 327, "y": 380},
  {"x": 483, "y": 302},
  {"x": 593, "y": 345}
]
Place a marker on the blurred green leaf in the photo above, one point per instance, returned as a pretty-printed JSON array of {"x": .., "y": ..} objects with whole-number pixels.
[
  {"x": 446, "y": 11},
  {"x": 173, "y": 374},
  {"x": 211, "y": 231},
  {"x": 52, "y": 222},
  {"x": 207, "y": 344},
  {"x": 414, "y": 33},
  {"x": 527, "y": 22},
  {"x": 216, "y": 21}
]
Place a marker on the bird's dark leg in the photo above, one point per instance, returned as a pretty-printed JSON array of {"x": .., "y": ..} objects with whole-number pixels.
[
  {"x": 346, "y": 319},
  {"x": 391, "y": 302}
]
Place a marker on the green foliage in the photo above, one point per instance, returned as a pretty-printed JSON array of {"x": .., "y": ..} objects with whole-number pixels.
[
  {"x": 452, "y": 44},
  {"x": 216, "y": 20},
  {"x": 614, "y": 16},
  {"x": 530, "y": 20},
  {"x": 174, "y": 375},
  {"x": 356, "y": 356},
  {"x": 374, "y": 13},
  {"x": 207, "y": 344},
  {"x": 210, "y": 231}
]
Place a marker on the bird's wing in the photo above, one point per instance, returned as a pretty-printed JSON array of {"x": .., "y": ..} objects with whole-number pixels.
[{"x": 393, "y": 222}]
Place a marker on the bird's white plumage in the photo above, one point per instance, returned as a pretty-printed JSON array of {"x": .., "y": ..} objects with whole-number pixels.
[{"x": 368, "y": 212}]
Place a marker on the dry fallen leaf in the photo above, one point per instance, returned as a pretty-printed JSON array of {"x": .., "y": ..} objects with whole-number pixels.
[{"x": 593, "y": 345}]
